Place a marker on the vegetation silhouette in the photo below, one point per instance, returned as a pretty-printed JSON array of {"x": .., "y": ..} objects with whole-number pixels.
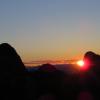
[{"x": 47, "y": 82}]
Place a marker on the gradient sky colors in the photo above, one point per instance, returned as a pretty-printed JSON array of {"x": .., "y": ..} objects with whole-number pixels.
[{"x": 50, "y": 29}]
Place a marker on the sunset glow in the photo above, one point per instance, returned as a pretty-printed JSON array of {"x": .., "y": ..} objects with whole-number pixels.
[
  {"x": 50, "y": 29},
  {"x": 80, "y": 63}
]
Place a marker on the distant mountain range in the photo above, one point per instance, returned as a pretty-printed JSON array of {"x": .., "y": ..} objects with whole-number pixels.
[
  {"x": 54, "y": 62},
  {"x": 66, "y": 68}
]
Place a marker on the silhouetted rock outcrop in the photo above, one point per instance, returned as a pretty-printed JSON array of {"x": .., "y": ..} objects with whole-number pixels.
[
  {"x": 91, "y": 76},
  {"x": 93, "y": 61},
  {"x": 12, "y": 73}
]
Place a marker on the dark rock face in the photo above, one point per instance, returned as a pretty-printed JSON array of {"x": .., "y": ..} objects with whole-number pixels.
[
  {"x": 9, "y": 56},
  {"x": 92, "y": 76},
  {"x": 12, "y": 73},
  {"x": 93, "y": 60}
]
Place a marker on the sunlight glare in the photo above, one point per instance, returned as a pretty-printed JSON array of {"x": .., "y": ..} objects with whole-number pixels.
[{"x": 80, "y": 63}]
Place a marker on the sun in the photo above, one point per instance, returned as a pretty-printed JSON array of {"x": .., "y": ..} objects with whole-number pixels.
[{"x": 80, "y": 63}]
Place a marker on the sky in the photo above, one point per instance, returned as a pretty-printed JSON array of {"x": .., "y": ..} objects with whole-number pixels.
[{"x": 50, "y": 29}]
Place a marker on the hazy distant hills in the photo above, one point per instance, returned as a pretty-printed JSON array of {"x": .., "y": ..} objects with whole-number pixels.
[{"x": 66, "y": 68}]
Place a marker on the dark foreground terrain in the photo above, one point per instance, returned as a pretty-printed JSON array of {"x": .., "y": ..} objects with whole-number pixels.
[{"x": 47, "y": 82}]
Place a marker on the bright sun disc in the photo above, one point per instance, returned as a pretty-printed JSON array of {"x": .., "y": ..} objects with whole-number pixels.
[{"x": 80, "y": 63}]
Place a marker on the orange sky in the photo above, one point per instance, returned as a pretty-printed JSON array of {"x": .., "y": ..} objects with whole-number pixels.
[{"x": 42, "y": 30}]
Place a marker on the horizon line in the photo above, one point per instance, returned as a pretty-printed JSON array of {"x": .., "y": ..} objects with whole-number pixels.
[{"x": 40, "y": 62}]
